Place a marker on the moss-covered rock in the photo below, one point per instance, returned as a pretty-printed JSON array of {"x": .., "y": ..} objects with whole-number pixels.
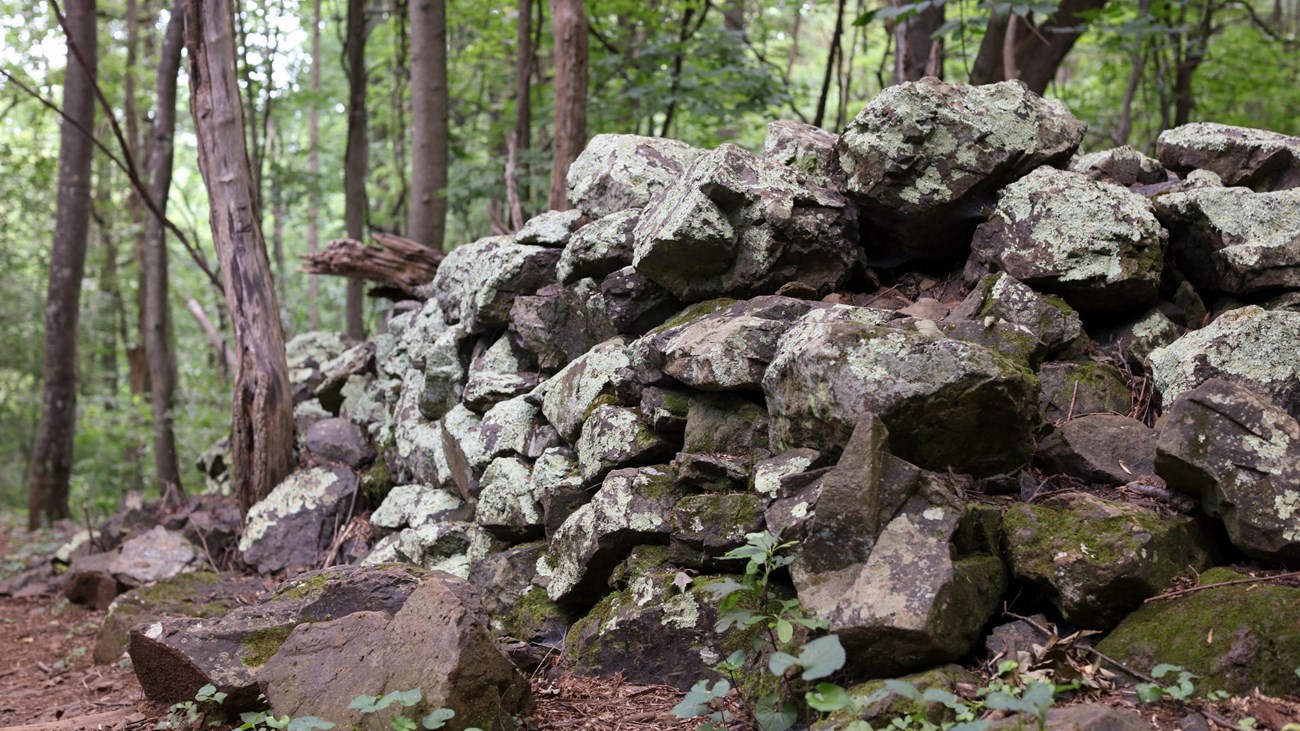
[
  {"x": 879, "y": 706},
  {"x": 1236, "y": 638}
]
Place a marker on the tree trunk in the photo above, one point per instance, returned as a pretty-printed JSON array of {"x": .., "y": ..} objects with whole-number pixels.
[
  {"x": 1038, "y": 51},
  {"x": 427, "y": 217},
  {"x": 522, "y": 140},
  {"x": 356, "y": 158},
  {"x": 261, "y": 439},
  {"x": 831, "y": 57},
  {"x": 51, "y": 463},
  {"x": 158, "y": 347},
  {"x": 313, "y": 167},
  {"x": 569, "y": 35},
  {"x": 918, "y": 53}
]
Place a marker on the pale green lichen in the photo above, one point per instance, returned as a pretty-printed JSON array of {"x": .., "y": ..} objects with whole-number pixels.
[
  {"x": 1254, "y": 346},
  {"x": 300, "y": 491}
]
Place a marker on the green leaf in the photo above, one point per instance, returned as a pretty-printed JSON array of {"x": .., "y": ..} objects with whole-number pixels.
[
  {"x": 827, "y": 698},
  {"x": 438, "y": 718},
  {"x": 821, "y": 657},
  {"x": 784, "y": 630},
  {"x": 864, "y": 19},
  {"x": 1164, "y": 669},
  {"x": 696, "y": 702},
  {"x": 773, "y": 717},
  {"x": 309, "y": 723},
  {"x": 402, "y": 723},
  {"x": 904, "y": 688},
  {"x": 780, "y": 662},
  {"x": 408, "y": 698},
  {"x": 720, "y": 589},
  {"x": 364, "y": 703},
  {"x": 1149, "y": 692},
  {"x": 939, "y": 695}
]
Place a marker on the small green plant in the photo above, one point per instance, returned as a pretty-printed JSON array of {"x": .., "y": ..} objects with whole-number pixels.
[
  {"x": 749, "y": 604},
  {"x": 1003, "y": 692},
  {"x": 1179, "y": 688},
  {"x": 374, "y": 706},
  {"x": 195, "y": 713}
]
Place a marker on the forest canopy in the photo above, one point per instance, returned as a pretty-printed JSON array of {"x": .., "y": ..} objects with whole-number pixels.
[{"x": 319, "y": 79}]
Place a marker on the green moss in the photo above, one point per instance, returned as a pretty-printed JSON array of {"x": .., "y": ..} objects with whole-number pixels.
[
  {"x": 694, "y": 312},
  {"x": 887, "y": 705},
  {"x": 260, "y": 645},
  {"x": 641, "y": 561},
  {"x": 308, "y": 588},
  {"x": 604, "y": 399},
  {"x": 1059, "y": 304},
  {"x": 531, "y": 613},
  {"x": 378, "y": 480},
  {"x": 1256, "y": 639},
  {"x": 1053, "y": 531}
]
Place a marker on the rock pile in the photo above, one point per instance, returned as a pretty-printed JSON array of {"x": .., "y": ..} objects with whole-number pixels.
[{"x": 583, "y": 418}]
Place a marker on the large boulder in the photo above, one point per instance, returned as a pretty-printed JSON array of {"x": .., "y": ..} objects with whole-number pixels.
[
  {"x": 600, "y": 248},
  {"x": 1001, "y": 297},
  {"x": 1254, "y": 158},
  {"x": 808, "y": 149},
  {"x": 154, "y": 555},
  {"x": 1234, "y": 240},
  {"x": 631, "y": 508},
  {"x": 616, "y": 172},
  {"x": 589, "y": 381},
  {"x": 925, "y": 159},
  {"x": 736, "y": 225},
  {"x": 1097, "y": 245},
  {"x": 477, "y": 283},
  {"x": 1240, "y": 456},
  {"x": 939, "y": 397},
  {"x": 1248, "y": 623},
  {"x": 1105, "y": 449},
  {"x": 1249, "y": 346},
  {"x": 293, "y": 525},
  {"x": 174, "y": 657},
  {"x": 437, "y": 641},
  {"x": 1096, "y": 559}
]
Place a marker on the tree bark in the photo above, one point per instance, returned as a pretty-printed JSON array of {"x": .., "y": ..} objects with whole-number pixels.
[
  {"x": 51, "y": 464},
  {"x": 357, "y": 156},
  {"x": 831, "y": 57},
  {"x": 158, "y": 343},
  {"x": 1038, "y": 51},
  {"x": 427, "y": 216},
  {"x": 313, "y": 167},
  {"x": 569, "y": 32},
  {"x": 522, "y": 140},
  {"x": 261, "y": 438},
  {"x": 918, "y": 53}
]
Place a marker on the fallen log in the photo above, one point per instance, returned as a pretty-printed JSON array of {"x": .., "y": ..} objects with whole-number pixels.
[{"x": 397, "y": 262}]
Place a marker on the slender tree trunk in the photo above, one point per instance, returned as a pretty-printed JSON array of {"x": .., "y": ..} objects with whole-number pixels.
[
  {"x": 261, "y": 438},
  {"x": 1036, "y": 52},
  {"x": 357, "y": 156},
  {"x": 522, "y": 139},
  {"x": 918, "y": 53},
  {"x": 569, "y": 32},
  {"x": 427, "y": 217},
  {"x": 794, "y": 41},
  {"x": 313, "y": 168},
  {"x": 159, "y": 351},
  {"x": 831, "y": 58},
  {"x": 51, "y": 463},
  {"x": 1137, "y": 66}
]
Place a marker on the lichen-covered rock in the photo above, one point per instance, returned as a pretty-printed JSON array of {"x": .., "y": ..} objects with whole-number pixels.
[
  {"x": 650, "y": 632},
  {"x": 446, "y": 363},
  {"x": 1097, "y": 245},
  {"x": 1250, "y": 346},
  {"x": 462, "y": 443},
  {"x": 502, "y": 371},
  {"x": 437, "y": 642},
  {"x": 726, "y": 434},
  {"x": 441, "y": 545},
  {"x": 922, "y": 596},
  {"x": 1106, "y": 449},
  {"x": 153, "y": 555},
  {"x": 174, "y": 657},
  {"x": 706, "y": 527},
  {"x": 880, "y": 705},
  {"x": 1235, "y": 240},
  {"x": 305, "y": 354},
  {"x": 516, "y": 427},
  {"x": 1081, "y": 717},
  {"x": 631, "y": 508},
  {"x": 1069, "y": 389},
  {"x": 1248, "y": 622},
  {"x": 1255, "y": 158},
  {"x": 771, "y": 473},
  {"x": 600, "y": 248},
  {"x": 616, "y": 436},
  {"x": 925, "y": 159},
  {"x": 585, "y": 383},
  {"x": 551, "y": 228},
  {"x": 560, "y": 323},
  {"x": 1137, "y": 339},
  {"x": 410, "y": 506},
  {"x": 338, "y": 440},
  {"x": 295, "y": 523},
  {"x": 728, "y": 349},
  {"x": 999, "y": 296},
  {"x": 418, "y": 442},
  {"x": 560, "y": 487},
  {"x": 1097, "y": 559},
  {"x": 616, "y": 172},
  {"x": 507, "y": 505},
  {"x": 1240, "y": 456},
  {"x": 1121, "y": 165},
  {"x": 632, "y": 303},
  {"x": 938, "y": 397},
  {"x": 736, "y": 225},
  {"x": 477, "y": 283},
  {"x": 808, "y": 149}
]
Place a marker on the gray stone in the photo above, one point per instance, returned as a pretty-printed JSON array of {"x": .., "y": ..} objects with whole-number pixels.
[
  {"x": 1082, "y": 717},
  {"x": 615, "y": 436},
  {"x": 410, "y": 506},
  {"x": 1104, "y": 449},
  {"x": 560, "y": 487},
  {"x": 1255, "y": 158},
  {"x": 587, "y": 382},
  {"x": 338, "y": 440},
  {"x": 937, "y": 396},
  {"x": 725, "y": 436},
  {"x": 808, "y": 149},
  {"x": 516, "y": 427},
  {"x": 551, "y": 228},
  {"x": 477, "y": 283},
  {"x": 441, "y": 546},
  {"x": 508, "y": 506},
  {"x": 625, "y": 171},
  {"x": 418, "y": 442},
  {"x": 771, "y": 474},
  {"x": 600, "y": 248},
  {"x": 446, "y": 364},
  {"x": 502, "y": 371},
  {"x": 1097, "y": 245},
  {"x": 706, "y": 527},
  {"x": 154, "y": 555},
  {"x": 437, "y": 642},
  {"x": 1250, "y": 346},
  {"x": 1070, "y": 390},
  {"x": 1098, "y": 559},
  {"x": 999, "y": 296},
  {"x": 631, "y": 508},
  {"x": 560, "y": 323},
  {"x": 1234, "y": 240},
  {"x": 462, "y": 442},
  {"x": 632, "y": 303},
  {"x": 1239, "y": 456},
  {"x": 1140, "y": 337},
  {"x": 1121, "y": 165},
  {"x": 735, "y": 225},
  {"x": 293, "y": 525},
  {"x": 925, "y": 159}
]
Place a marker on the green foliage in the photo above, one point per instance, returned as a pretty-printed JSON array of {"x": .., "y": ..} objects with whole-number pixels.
[
  {"x": 746, "y": 604},
  {"x": 1179, "y": 688},
  {"x": 204, "y": 712}
]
